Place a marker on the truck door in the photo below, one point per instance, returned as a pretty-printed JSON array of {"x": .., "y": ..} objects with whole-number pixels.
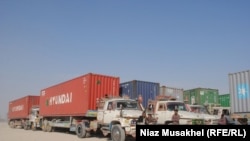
[
  {"x": 161, "y": 113},
  {"x": 100, "y": 111},
  {"x": 110, "y": 112}
]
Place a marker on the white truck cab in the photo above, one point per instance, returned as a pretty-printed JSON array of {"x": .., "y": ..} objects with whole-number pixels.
[
  {"x": 162, "y": 108},
  {"x": 118, "y": 116},
  {"x": 203, "y": 112},
  {"x": 34, "y": 119}
]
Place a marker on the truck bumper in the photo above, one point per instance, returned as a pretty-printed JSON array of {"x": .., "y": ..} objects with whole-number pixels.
[{"x": 131, "y": 131}]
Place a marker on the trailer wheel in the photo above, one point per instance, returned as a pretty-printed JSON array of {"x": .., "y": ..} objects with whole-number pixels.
[
  {"x": 12, "y": 124},
  {"x": 117, "y": 133},
  {"x": 81, "y": 130}
]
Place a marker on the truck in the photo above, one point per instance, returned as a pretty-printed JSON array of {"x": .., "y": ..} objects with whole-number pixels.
[
  {"x": 162, "y": 108},
  {"x": 239, "y": 86},
  {"x": 203, "y": 112},
  {"x": 88, "y": 104},
  {"x": 23, "y": 112}
]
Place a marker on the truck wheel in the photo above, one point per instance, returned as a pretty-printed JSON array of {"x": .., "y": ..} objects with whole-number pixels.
[
  {"x": 81, "y": 130},
  {"x": 49, "y": 128},
  {"x": 44, "y": 125},
  {"x": 117, "y": 133}
]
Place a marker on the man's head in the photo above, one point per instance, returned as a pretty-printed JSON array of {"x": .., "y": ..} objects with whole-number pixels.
[
  {"x": 175, "y": 110},
  {"x": 149, "y": 115},
  {"x": 222, "y": 115}
]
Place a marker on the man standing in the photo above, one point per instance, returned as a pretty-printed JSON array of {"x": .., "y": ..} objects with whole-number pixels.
[
  {"x": 222, "y": 120},
  {"x": 175, "y": 117}
]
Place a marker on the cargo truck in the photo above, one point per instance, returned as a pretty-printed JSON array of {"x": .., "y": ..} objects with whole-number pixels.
[
  {"x": 23, "y": 112},
  {"x": 89, "y": 104}
]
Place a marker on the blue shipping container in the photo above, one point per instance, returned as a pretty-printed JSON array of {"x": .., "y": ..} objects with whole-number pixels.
[{"x": 134, "y": 88}]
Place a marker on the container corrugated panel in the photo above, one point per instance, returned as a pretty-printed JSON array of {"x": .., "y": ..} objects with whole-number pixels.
[
  {"x": 171, "y": 91},
  {"x": 201, "y": 96},
  {"x": 134, "y": 88},
  {"x": 239, "y": 86},
  {"x": 76, "y": 96},
  {"x": 191, "y": 96},
  {"x": 224, "y": 100},
  {"x": 20, "y": 108}
]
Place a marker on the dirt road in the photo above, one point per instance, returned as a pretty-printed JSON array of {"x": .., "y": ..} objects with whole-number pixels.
[{"x": 10, "y": 134}]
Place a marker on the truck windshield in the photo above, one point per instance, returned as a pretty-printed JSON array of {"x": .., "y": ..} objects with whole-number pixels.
[
  {"x": 176, "y": 105},
  {"x": 127, "y": 104},
  {"x": 199, "y": 109}
]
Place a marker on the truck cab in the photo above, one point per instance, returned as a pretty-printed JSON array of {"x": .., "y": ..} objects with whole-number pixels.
[
  {"x": 218, "y": 111},
  {"x": 162, "y": 109},
  {"x": 116, "y": 116},
  {"x": 34, "y": 119},
  {"x": 203, "y": 111}
]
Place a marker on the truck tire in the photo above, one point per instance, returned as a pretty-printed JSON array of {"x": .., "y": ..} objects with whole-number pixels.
[
  {"x": 44, "y": 125},
  {"x": 117, "y": 133},
  {"x": 12, "y": 124},
  {"x": 81, "y": 130},
  {"x": 49, "y": 128}
]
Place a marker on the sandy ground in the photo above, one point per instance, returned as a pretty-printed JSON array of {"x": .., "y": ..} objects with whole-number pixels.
[{"x": 10, "y": 134}]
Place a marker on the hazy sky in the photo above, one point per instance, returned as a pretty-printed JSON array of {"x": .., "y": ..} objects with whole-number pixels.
[{"x": 178, "y": 43}]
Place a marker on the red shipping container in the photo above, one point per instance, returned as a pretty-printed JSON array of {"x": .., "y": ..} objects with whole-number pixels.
[
  {"x": 76, "y": 96},
  {"x": 20, "y": 108}
]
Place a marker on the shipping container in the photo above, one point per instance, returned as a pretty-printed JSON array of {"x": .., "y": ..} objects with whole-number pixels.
[
  {"x": 77, "y": 96},
  {"x": 173, "y": 92},
  {"x": 20, "y": 108},
  {"x": 224, "y": 100},
  {"x": 239, "y": 86},
  {"x": 201, "y": 96},
  {"x": 135, "y": 88}
]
